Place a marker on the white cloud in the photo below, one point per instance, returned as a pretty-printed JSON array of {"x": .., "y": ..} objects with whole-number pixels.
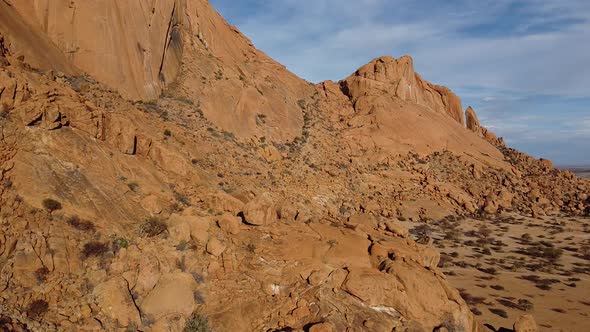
[{"x": 329, "y": 39}]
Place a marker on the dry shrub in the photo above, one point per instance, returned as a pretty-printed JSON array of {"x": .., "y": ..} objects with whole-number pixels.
[
  {"x": 51, "y": 204},
  {"x": 81, "y": 224},
  {"x": 37, "y": 309},
  {"x": 95, "y": 249},
  {"x": 152, "y": 227}
]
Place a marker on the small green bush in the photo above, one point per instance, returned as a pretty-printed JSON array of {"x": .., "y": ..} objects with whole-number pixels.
[
  {"x": 119, "y": 243},
  {"x": 197, "y": 323}
]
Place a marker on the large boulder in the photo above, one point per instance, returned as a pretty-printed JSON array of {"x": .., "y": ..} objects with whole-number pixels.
[
  {"x": 215, "y": 247},
  {"x": 525, "y": 323},
  {"x": 471, "y": 120},
  {"x": 229, "y": 223},
  {"x": 114, "y": 300},
  {"x": 260, "y": 211},
  {"x": 223, "y": 202},
  {"x": 179, "y": 227},
  {"x": 412, "y": 291},
  {"x": 173, "y": 295}
]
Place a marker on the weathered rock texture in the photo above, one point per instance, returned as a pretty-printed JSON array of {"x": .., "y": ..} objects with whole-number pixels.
[
  {"x": 138, "y": 62},
  {"x": 138, "y": 47},
  {"x": 24, "y": 40},
  {"x": 242, "y": 194},
  {"x": 398, "y": 78},
  {"x": 471, "y": 119}
]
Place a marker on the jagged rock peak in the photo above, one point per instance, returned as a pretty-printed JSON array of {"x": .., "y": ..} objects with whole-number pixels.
[
  {"x": 471, "y": 119},
  {"x": 398, "y": 78}
]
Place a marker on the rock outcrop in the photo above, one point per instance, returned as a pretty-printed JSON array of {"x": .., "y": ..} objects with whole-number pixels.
[
  {"x": 139, "y": 62},
  {"x": 138, "y": 48},
  {"x": 474, "y": 125},
  {"x": 27, "y": 42},
  {"x": 239, "y": 186},
  {"x": 471, "y": 120},
  {"x": 525, "y": 323},
  {"x": 398, "y": 78}
]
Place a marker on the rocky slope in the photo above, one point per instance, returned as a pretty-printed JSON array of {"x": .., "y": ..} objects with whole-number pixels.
[{"x": 186, "y": 177}]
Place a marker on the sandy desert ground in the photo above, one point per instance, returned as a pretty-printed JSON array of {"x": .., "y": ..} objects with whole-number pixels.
[{"x": 511, "y": 265}]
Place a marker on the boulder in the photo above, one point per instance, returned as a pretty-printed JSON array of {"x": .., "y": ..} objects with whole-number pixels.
[
  {"x": 491, "y": 206},
  {"x": 471, "y": 120},
  {"x": 179, "y": 227},
  {"x": 223, "y": 202},
  {"x": 397, "y": 229},
  {"x": 148, "y": 272},
  {"x": 260, "y": 211},
  {"x": 151, "y": 204},
  {"x": 173, "y": 295},
  {"x": 414, "y": 292},
  {"x": 229, "y": 223},
  {"x": 525, "y": 323},
  {"x": 199, "y": 228},
  {"x": 322, "y": 327},
  {"x": 215, "y": 247},
  {"x": 360, "y": 219},
  {"x": 546, "y": 163},
  {"x": 114, "y": 300}
]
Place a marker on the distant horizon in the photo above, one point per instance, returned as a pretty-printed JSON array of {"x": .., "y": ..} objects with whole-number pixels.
[
  {"x": 581, "y": 167},
  {"x": 521, "y": 65}
]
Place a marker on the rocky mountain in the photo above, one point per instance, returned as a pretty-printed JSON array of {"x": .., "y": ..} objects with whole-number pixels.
[{"x": 159, "y": 173}]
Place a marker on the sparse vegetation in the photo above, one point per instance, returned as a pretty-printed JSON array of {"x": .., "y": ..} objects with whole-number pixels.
[
  {"x": 470, "y": 299},
  {"x": 422, "y": 230},
  {"x": 543, "y": 250},
  {"x": 251, "y": 247},
  {"x": 133, "y": 186},
  {"x": 301, "y": 103},
  {"x": 81, "y": 224},
  {"x": 119, "y": 243},
  {"x": 500, "y": 312},
  {"x": 197, "y": 323},
  {"x": 182, "y": 246},
  {"x": 219, "y": 74},
  {"x": 41, "y": 274},
  {"x": 525, "y": 305},
  {"x": 51, "y": 205},
  {"x": 167, "y": 133},
  {"x": 152, "y": 227},
  {"x": 182, "y": 199},
  {"x": 94, "y": 249},
  {"x": 37, "y": 309}
]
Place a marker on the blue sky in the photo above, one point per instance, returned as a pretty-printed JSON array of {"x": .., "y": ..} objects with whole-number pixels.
[{"x": 523, "y": 65}]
